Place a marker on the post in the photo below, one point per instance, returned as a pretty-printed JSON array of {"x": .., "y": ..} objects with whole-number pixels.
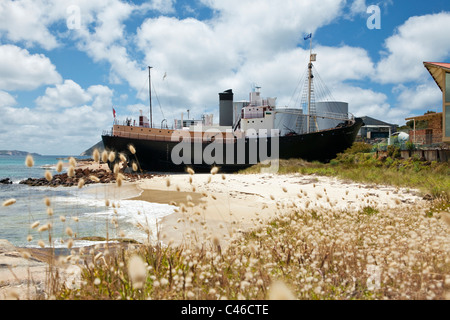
[{"x": 150, "y": 94}]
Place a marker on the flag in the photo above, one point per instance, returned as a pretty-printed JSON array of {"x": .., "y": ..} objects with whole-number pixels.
[
  {"x": 308, "y": 36},
  {"x": 114, "y": 112}
]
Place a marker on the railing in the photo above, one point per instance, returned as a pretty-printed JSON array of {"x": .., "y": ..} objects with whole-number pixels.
[{"x": 129, "y": 123}]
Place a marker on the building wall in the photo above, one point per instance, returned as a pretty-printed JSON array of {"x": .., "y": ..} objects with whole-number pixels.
[{"x": 433, "y": 134}]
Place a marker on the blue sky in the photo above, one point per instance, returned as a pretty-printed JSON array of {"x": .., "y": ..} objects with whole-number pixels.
[{"x": 65, "y": 64}]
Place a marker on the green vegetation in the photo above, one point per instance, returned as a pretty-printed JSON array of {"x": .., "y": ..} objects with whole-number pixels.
[
  {"x": 305, "y": 254},
  {"x": 316, "y": 254},
  {"x": 360, "y": 165}
]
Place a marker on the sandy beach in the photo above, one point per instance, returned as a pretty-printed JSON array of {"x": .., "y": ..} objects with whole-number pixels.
[
  {"x": 216, "y": 208},
  {"x": 223, "y": 205},
  {"x": 220, "y": 206}
]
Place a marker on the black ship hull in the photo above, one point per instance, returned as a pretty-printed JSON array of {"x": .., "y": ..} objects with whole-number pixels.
[{"x": 158, "y": 156}]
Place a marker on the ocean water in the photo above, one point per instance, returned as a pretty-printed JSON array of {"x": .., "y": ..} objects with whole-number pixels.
[{"x": 84, "y": 210}]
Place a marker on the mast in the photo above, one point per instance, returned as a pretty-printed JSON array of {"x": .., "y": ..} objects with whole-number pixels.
[
  {"x": 308, "y": 126},
  {"x": 312, "y": 57},
  {"x": 150, "y": 94}
]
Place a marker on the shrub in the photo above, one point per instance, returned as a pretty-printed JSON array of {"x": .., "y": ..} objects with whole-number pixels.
[
  {"x": 359, "y": 147},
  {"x": 393, "y": 151}
]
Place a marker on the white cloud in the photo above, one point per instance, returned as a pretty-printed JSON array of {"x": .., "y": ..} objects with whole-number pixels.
[
  {"x": 419, "y": 39},
  {"x": 363, "y": 102},
  {"x": 7, "y": 100},
  {"x": 68, "y": 119},
  {"x": 67, "y": 94},
  {"x": 245, "y": 42},
  {"x": 27, "y": 21},
  {"x": 20, "y": 70},
  {"x": 423, "y": 96},
  {"x": 358, "y": 7}
]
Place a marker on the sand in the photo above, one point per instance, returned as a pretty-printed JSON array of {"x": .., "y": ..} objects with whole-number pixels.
[
  {"x": 213, "y": 208},
  {"x": 232, "y": 203},
  {"x": 222, "y": 205}
]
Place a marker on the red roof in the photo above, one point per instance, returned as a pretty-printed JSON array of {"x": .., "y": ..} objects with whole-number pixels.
[{"x": 440, "y": 64}]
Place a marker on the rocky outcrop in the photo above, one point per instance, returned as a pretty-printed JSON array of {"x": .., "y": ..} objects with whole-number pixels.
[
  {"x": 5, "y": 181},
  {"x": 85, "y": 174}
]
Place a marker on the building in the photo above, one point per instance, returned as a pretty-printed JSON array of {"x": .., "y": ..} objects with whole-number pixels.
[
  {"x": 441, "y": 75},
  {"x": 376, "y": 129},
  {"x": 427, "y": 129}
]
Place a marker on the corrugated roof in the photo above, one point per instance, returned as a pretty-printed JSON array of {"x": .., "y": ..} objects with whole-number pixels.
[{"x": 372, "y": 121}]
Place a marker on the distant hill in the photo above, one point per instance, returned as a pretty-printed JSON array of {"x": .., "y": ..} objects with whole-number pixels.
[
  {"x": 90, "y": 151},
  {"x": 16, "y": 153}
]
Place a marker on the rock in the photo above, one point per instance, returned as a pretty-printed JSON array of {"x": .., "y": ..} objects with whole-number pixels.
[
  {"x": 26, "y": 278},
  {"x": 5, "y": 181},
  {"x": 428, "y": 197}
]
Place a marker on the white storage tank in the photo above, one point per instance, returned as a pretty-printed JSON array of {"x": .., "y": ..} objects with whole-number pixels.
[
  {"x": 289, "y": 120},
  {"x": 330, "y": 109}
]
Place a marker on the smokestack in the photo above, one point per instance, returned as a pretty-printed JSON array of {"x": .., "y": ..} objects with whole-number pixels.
[{"x": 226, "y": 108}]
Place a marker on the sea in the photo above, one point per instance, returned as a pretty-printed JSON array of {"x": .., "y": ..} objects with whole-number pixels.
[{"x": 82, "y": 210}]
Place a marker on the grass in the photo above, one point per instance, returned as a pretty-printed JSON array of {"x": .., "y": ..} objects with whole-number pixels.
[
  {"x": 314, "y": 254},
  {"x": 317, "y": 254},
  {"x": 430, "y": 178}
]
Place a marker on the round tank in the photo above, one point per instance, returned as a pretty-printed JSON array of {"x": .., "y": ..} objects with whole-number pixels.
[
  {"x": 330, "y": 109},
  {"x": 289, "y": 120}
]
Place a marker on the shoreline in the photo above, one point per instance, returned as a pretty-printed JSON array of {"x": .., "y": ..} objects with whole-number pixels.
[
  {"x": 223, "y": 206},
  {"x": 214, "y": 209}
]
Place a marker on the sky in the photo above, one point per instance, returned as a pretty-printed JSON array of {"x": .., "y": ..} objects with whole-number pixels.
[{"x": 65, "y": 64}]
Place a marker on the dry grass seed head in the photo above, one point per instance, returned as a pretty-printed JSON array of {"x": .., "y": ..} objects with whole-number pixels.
[
  {"x": 116, "y": 168},
  {"x": 71, "y": 172},
  {"x": 72, "y": 162},
  {"x": 279, "y": 291},
  {"x": 35, "y": 225},
  {"x": 105, "y": 156},
  {"x": 137, "y": 271},
  {"x": 96, "y": 155},
  {"x": 132, "y": 149},
  {"x": 29, "y": 162},
  {"x": 112, "y": 156},
  {"x": 48, "y": 175},
  {"x": 9, "y": 202},
  {"x": 120, "y": 178},
  {"x": 59, "y": 166},
  {"x": 94, "y": 178}
]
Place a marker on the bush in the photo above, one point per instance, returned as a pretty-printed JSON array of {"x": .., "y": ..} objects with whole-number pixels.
[
  {"x": 410, "y": 146},
  {"x": 359, "y": 147},
  {"x": 393, "y": 152}
]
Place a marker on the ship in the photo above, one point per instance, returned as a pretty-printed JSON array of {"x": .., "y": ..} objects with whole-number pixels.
[{"x": 248, "y": 133}]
